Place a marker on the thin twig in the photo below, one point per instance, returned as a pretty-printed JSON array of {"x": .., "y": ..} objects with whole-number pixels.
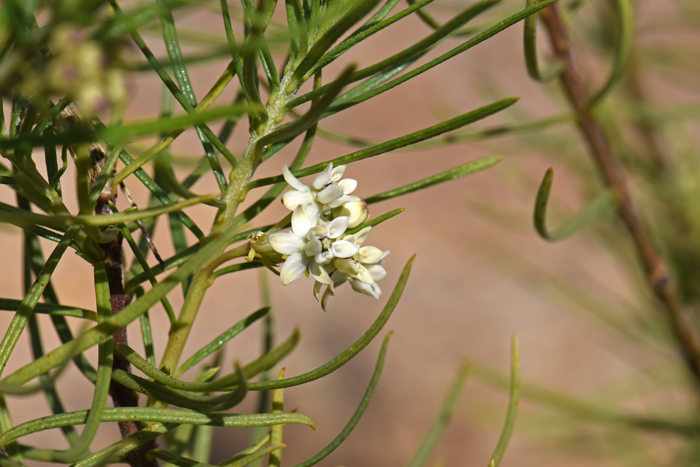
[{"x": 658, "y": 274}]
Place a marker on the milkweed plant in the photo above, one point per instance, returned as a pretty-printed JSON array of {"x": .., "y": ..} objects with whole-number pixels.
[{"x": 66, "y": 68}]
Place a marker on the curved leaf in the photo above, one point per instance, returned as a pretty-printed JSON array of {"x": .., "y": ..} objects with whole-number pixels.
[{"x": 594, "y": 209}]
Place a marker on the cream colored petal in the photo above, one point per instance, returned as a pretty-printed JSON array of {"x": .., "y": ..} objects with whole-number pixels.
[
  {"x": 360, "y": 237},
  {"x": 378, "y": 272},
  {"x": 324, "y": 299},
  {"x": 317, "y": 288},
  {"x": 313, "y": 247},
  {"x": 356, "y": 211},
  {"x": 348, "y": 185},
  {"x": 343, "y": 249},
  {"x": 370, "y": 254},
  {"x": 329, "y": 195},
  {"x": 342, "y": 200},
  {"x": 313, "y": 211},
  {"x": 348, "y": 266},
  {"x": 338, "y": 172},
  {"x": 363, "y": 288},
  {"x": 293, "y": 268},
  {"x": 292, "y": 199},
  {"x": 323, "y": 258},
  {"x": 338, "y": 278},
  {"x": 300, "y": 222},
  {"x": 292, "y": 180},
  {"x": 319, "y": 273},
  {"x": 318, "y": 231},
  {"x": 364, "y": 275},
  {"x": 324, "y": 178},
  {"x": 337, "y": 227},
  {"x": 286, "y": 243}
]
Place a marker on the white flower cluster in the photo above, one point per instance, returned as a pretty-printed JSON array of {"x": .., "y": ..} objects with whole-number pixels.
[{"x": 318, "y": 245}]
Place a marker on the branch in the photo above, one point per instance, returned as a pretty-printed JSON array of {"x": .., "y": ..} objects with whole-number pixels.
[
  {"x": 121, "y": 395},
  {"x": 658, "y": 274}
]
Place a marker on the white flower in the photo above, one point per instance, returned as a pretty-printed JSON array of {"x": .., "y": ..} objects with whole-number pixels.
[
  {"x": 326, "y": 189},
  {"x": 334, "y": 192},
  {"x": 363, "y": 270},
  {"x": 300, "y": 195},
  {"x": 318, "y": 246},
  {"x": 310, "y": 245},
  {"x": 358, "y": 266}
]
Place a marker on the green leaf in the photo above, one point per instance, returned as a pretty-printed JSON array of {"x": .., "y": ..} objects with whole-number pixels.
[
  {"x": 151, "y": 414},
  {"x": 201, "y": 403},
  {"x": 26, "y": 308},
  {"x": 301, "y": 124},
  {"x": 428, "y": 19},
  {"x": 295, "y": 29},
  {"x": 352, "y": 423},
  {"x": 427, "y": 43},
  {"x": 104, "y": 373},
  {"x": 116, "y": 134},
  {"x": 452, "y": 174},
  {"x": 625, "y": 30},
  {"x": 220, "y": 340},
  {"x": 449, "y": 404},
  {"x": 246, "y": 453},
  {"x": 177, "y": 93},
  {"x": 98, "y": 220},
  {"x": 277, "y": 431},
  {"x": 152, "y": 279},
  {"x": 262, "y": 363},
  {"x": 552, "y": 70},
  {"x": 305, "y": 68},
  {"x": 351, "y": 351},
  {"x": 396, "y": 63},
  {"x": 236, "y": 61},
  {"x": 600, "y": 205},
  {"x": 162, "y": 196},
  {"x": 147, "y": 337},
  {"x": 179, "y": 461},
  {"x": 254, "y": 456},
  {"x": 585, "y": 410},
  {"x": 9, "y": 304},
  {"x": 368, "y": 30},
  {"x": 125, "y": 445},
  {"x": 396, "y": 143},
  {"x": 118, "y": 26},
  {"x": 103, "y": 331},
  {"x": 479, "y": 38},
  {"x": 376, "y": 221},
  {"x": 512, "y": 404}
]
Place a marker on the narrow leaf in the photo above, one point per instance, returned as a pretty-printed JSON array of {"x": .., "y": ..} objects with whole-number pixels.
[
  {"x": 600, "y": 205},
  {"x": 512, "y": 405},
  {"x": 352, "y": 423}
]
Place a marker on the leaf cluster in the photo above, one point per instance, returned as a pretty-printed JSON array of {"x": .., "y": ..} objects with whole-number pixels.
[{"x": 63, "y": 73}]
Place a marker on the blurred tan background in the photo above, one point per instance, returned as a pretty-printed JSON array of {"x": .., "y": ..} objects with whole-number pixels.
[{"x": 468, "y": 292}]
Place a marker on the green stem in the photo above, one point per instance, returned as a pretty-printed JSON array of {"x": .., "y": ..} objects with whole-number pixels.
[{"x": 233, "y": 196}]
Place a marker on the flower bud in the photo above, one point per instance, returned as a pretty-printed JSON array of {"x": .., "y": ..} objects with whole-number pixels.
[{"x": 356, "y": 211}]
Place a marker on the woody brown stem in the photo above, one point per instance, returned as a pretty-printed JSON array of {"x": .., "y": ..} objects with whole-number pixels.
[
  {"x": 121, "y": 396},
  {"x": 659, "y": 276}
]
